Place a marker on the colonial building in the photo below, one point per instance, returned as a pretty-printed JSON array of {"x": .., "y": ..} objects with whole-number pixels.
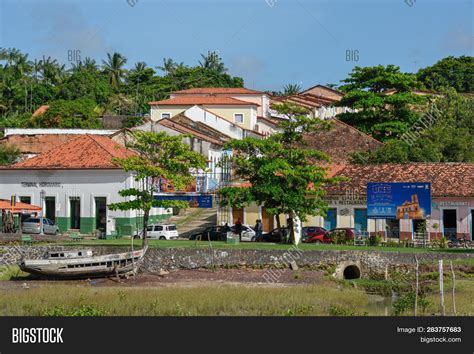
[
  {"x": 74, "y": 183},
  {"x": 452, "y": 192}
]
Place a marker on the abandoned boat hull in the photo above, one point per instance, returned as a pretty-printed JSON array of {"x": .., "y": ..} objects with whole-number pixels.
[{"x": 85, "y": 267}]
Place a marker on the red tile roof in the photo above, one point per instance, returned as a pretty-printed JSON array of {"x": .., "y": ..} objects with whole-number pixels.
[
  {"x": 221, "y": 90},
  {"x": 447, "y": 179},
  {"x": 202, "y": 100},
  {"x": 85, "y": 152},
  {"x": 37, "y": 144}
]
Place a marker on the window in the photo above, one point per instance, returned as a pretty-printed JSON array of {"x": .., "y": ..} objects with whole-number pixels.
[
  {"x": 239, "y": 118},
  {"x": 165, "y": 115},
  {"x": 149, "y": 228},
  {"x": 158, "y": 228},
  {"x": 25, "y": 199},
  {"x": 171, "y": 228}
]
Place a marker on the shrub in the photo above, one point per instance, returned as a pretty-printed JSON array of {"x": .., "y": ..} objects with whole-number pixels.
[
  {"x": 82, "y": 311},
  {"x": 407, "y": 302},
  {"x": 375, "y": 240}
]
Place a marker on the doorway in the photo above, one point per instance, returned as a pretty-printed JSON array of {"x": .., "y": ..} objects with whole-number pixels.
[
  {"x": 360, "y": 219},
  {"x": 331, "y": 219},
  {"x": 449, "y": 223},
  {"x": 237, "y": 213},
  {"x": 50, "y": 208},
  {"x": 101, "y": 214},
  {"x": 267, "y": 221},
  {"x": 75, "y": 212},
  {"x": 393, "y": 228}
]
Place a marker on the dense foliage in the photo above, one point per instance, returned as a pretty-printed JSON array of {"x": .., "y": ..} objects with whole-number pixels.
[
  {"x": 457, "y": 73},
  {"x": 111, "y": 87}
]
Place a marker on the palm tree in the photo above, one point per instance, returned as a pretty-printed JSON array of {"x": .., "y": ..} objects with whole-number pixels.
[
  {"x": 169, "y": 66},
  {"x": 213, "y": 61},
  {"x": 113, "y": 67},
  {"x": 291, "y": 89}
]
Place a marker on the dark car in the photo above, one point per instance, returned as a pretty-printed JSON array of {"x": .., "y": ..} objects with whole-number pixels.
[
  {"x": 314, "y": 234},
  {"x": 276, "y": 235},
  {"x": 340, "y": 233},
  {"x": 213, "y": 233}
]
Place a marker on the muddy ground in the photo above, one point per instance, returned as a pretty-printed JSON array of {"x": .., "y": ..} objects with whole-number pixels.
[{"x": 192, "y": 277}]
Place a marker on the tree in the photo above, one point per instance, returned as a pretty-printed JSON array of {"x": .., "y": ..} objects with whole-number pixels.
[
  {"x": 81, "y": 113},
  {"x": 376, "y": 111},
  {"x": 447, "y": 136},
  {"x": 9, "y": 154},
  {"x": 113, "y": 67},
  {"x": 457, "y": 73},
  {"x": 158, "y": 156},
  {"x": 213, "y": 62},
  {"x": 284, "y": 175},
  {"x": 291, "y": 89}
]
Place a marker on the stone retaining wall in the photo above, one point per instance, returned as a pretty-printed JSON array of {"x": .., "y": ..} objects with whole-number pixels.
[{"x": 156, "y": 259}]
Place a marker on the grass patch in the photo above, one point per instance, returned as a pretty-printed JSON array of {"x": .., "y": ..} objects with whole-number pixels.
[
  {"x": 60, "y": 300},
  {"x": 12, "y": 272}
]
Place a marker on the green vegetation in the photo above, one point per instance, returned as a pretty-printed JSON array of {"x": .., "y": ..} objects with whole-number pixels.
[
  {"x": 8, "y": 154},
  {"x": 384, "y": 116},
  {"x": 59, "y": 300},
  {"x": 11, "y": 272},
  {"x": 112, "y": 88},
  {"x": 457, "y": 73}
]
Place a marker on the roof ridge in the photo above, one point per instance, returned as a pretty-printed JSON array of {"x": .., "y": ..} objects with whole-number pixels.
[
  {"x": 358, "y": 130},
  {"x": 101, "y": 145}
]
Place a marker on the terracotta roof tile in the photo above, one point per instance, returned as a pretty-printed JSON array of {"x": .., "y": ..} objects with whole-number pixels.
[
  {"x": 447, "y": 179},
  {"x": 37, "y": 144},
  {"x": 220, "y": 90},
  {"x": 204, "y": 100},
  {"x": 340, "y": 141},
  {"x": 84, "y": 152}
]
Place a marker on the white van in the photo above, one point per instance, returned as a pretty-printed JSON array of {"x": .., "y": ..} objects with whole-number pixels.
[{"x": 161, "y": 232}]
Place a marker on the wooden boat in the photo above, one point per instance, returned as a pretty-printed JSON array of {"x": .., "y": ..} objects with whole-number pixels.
[{"x": 82, "y": 264}]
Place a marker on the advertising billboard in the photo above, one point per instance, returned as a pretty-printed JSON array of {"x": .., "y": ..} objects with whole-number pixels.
[{"x": 399, "y": 200}]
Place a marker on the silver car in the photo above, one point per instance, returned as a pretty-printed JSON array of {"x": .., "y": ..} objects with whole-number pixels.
[{"x": 33, "y": 226}]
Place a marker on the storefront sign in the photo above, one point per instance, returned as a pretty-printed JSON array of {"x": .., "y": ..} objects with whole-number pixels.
[
  {"x": 195, "y": 201},
  {"x": 405, "y": 200},
  {"x": 41, "y": 184},
  {"x": 446, "y": 203}
]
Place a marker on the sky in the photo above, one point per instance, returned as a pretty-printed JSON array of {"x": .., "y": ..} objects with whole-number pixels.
[{"x": 270, "y": 43}]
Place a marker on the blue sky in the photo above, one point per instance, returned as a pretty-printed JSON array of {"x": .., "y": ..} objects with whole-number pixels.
[{"x": 268, "y": 42}]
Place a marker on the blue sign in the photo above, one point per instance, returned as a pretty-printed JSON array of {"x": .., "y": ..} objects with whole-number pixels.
[
  {"x": 407, "y": 200},
  {"x": 195, "y": 201}
]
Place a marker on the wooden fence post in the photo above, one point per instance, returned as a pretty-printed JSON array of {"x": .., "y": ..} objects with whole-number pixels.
[
  {"x": 454, "y": 288},
  {"x": 441, "y": 287}
]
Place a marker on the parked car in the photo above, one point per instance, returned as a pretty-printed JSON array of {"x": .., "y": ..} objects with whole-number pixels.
[
  {"x": 248, "y": 233},
  {"x": 32, "y": 225},
  {"x": 161, "y": 232},
  {"x": 276, "y": 235},
  {"x": 213, "y": 233},
  {"x": 346, "y": 232},
  {"x": 314, "y": 234}
]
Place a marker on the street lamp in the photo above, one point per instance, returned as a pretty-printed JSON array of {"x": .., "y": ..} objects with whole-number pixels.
[{"x": 42, "y": 197}]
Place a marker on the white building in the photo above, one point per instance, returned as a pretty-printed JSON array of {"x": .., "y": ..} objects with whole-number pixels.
[{"x": 74, "y": 183}]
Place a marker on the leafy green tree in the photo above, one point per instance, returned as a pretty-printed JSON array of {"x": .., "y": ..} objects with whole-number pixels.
[
  {"x": 283, "y": 174},
  {"x": 447, "y": 136},
  {"x": 81, "y": 113},
  {"x": 457, "y": 73},
  {"x": 9, "y": 154},
  {"x": 114, "y": 68},
  {"x": 158, "y": 156},
  {"x": 385, "y": 116}
]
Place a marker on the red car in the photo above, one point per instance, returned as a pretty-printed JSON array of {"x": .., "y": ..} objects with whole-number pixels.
[
  {"x": 314, "y": 234},
  {"x": 348, "y": 232}
]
